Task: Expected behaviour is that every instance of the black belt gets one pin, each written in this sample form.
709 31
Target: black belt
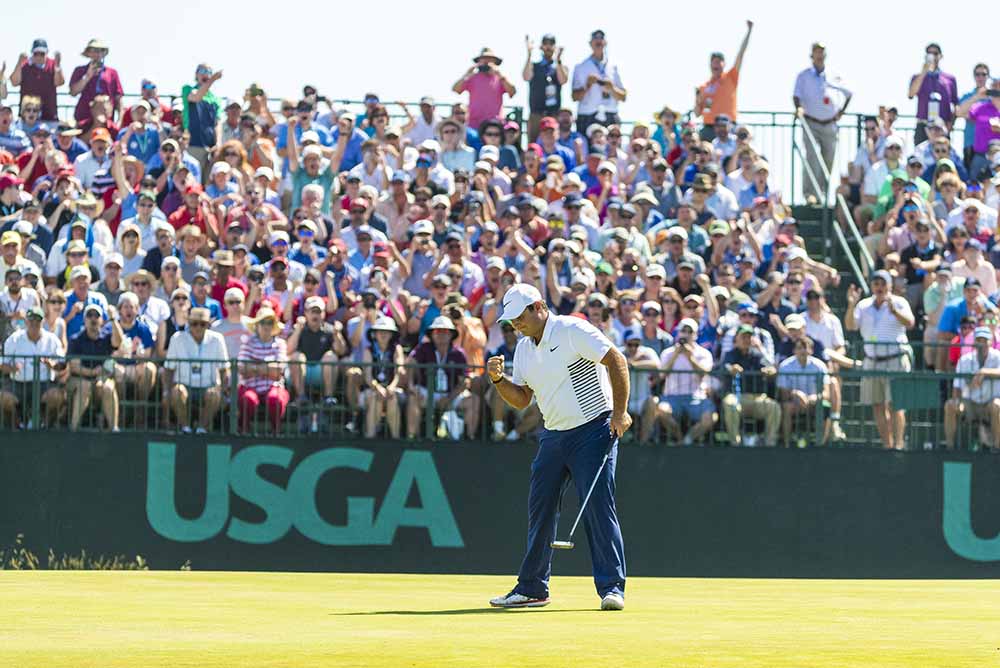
816 120
884 358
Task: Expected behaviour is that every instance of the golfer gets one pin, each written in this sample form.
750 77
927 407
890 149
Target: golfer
580 381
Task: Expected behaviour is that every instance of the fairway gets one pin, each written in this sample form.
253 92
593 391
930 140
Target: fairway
216 620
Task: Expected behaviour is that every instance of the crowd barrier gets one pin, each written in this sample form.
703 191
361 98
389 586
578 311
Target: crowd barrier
331 412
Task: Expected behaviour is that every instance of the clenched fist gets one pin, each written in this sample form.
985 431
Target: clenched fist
494 367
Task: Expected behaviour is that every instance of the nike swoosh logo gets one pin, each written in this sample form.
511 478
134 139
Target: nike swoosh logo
553 349
505 305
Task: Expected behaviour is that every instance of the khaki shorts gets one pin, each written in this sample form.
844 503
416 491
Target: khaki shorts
876 390
977 412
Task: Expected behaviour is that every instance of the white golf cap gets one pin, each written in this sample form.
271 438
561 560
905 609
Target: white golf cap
796 253
264 172
423 227
114 258
430 145
221 168
310 136
495 262
794 321
689 323
518 298
232 294
489 153
607 166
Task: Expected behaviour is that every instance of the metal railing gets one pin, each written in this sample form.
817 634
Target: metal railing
133 402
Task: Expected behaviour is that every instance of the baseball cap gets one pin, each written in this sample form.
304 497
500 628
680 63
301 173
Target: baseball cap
974 244
689 323
632 335
518 298
548 123
893 140
114 258
264 173
980 333
656 270
315 302
489 153
34 312
79 272
200 314
973 282
96 308
10 237
423 227
744 329
232 294
400 176
100 134
607 166
651 306
794 321
882 275
495 263
944 268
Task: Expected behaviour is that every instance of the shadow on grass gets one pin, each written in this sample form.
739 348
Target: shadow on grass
466 611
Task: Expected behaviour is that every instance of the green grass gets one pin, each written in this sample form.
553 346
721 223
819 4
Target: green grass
224 620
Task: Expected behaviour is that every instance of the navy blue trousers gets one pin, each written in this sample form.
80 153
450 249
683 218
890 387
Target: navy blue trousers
574 453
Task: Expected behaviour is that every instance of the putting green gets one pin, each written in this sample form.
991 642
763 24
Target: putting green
221 620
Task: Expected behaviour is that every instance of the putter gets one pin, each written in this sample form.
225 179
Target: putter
568 543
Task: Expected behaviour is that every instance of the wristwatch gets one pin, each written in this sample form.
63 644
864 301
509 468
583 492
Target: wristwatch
498 381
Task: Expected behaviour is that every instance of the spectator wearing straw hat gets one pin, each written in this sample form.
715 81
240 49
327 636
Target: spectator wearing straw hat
93 79
196 372
263 360
438 356
486 86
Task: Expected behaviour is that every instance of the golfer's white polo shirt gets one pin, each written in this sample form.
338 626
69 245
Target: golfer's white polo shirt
565 372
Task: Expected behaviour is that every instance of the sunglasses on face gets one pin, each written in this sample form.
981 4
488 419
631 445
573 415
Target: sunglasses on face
93 315
140 284
180 298
233 302
167 149
77 254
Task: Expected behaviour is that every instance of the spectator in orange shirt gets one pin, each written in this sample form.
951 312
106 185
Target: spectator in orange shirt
718 94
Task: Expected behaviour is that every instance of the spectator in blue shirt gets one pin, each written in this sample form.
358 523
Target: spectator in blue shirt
200 297
12 140
305 125
68 141
141 139
757 188
352 152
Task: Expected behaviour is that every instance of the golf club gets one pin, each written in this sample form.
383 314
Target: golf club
568 543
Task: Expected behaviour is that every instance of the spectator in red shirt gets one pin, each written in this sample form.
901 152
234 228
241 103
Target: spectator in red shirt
93 79
40 76
197 211
32 163
224 280
486 86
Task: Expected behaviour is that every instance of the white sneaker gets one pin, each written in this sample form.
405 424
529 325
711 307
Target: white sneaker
185 430
201 430
512 435
515 600
613 601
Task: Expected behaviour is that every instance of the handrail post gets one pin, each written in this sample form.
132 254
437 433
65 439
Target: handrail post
36 398
234 380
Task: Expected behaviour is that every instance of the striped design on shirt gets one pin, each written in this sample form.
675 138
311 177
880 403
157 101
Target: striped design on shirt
587 388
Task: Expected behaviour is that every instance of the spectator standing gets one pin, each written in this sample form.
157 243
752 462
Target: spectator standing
718 95
981 76
882 320
196 372
545 81
40 76
936 93
93 79
817 99
597 87
486 86
201 113
982 110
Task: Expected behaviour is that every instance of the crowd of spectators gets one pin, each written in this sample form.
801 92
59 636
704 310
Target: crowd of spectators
335 259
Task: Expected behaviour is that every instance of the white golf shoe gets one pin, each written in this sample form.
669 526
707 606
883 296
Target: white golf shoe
613 601
515 600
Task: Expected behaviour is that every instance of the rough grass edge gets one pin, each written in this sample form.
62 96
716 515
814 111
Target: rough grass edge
18 557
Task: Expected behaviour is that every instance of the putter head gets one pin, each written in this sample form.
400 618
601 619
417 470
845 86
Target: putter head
562 544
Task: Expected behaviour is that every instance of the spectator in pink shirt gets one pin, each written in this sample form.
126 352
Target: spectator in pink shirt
486 86
93 79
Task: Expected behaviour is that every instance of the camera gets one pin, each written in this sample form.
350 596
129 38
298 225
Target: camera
455 313
368 301
256 90
483 68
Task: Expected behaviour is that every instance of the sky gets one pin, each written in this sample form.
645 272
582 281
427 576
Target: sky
405 50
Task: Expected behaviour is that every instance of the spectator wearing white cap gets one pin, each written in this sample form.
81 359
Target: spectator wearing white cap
313 351
685 391
135 375
235 327
30 251
141 138
429 172
883 320
111 285
878 173
642 362
976 391
314 167
422 126
605 189
196 372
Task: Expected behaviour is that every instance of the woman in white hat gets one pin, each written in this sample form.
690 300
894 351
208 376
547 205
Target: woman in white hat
263 360
383 361
449 366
